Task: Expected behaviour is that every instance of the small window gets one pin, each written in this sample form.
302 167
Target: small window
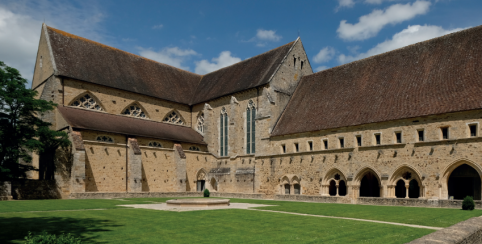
297 189
325 144
194 148
378 139
294 62
105 139
310 145
301 64
473 130
283 148
398 137
342 142
445 133
421 135
297 147
155 144
358 141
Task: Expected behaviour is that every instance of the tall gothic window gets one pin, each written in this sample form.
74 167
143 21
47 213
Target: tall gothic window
251 127
173 118
200 122
86 101
134 110
223 132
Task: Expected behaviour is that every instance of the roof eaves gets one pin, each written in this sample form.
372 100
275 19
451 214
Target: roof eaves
47 37
284 58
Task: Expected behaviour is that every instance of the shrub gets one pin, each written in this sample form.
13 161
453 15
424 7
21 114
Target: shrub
468 203
206 193
46 238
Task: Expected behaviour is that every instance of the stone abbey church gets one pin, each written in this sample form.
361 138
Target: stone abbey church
402 124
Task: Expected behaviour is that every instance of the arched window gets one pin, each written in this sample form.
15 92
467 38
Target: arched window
105 139
297 189
287 189
134 110
200 122
194 148
173 118
223 132
86 101
251 128
155 144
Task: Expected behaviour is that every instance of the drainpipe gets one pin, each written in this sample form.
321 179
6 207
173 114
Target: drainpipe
127 163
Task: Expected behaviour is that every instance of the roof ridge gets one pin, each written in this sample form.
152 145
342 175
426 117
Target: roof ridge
64 33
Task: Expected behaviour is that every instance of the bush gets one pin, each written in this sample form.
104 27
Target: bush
206 193
46 238
468 203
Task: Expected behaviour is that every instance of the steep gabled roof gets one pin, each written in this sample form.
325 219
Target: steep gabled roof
86 60
104 122
250 73
79 58
442 75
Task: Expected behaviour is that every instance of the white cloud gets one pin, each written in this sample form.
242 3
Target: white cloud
346 3
173 56
224 59
325 55
410 35
369 25
21 22
157 27
264 36
321 68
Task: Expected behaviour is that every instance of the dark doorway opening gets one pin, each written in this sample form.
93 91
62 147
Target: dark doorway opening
413 189
464 181
369 186
47 165
400 190
201 185
342 188
287 189
332 190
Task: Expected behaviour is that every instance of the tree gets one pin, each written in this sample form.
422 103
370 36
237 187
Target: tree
22 131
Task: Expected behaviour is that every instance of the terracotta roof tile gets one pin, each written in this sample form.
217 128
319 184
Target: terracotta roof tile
432 77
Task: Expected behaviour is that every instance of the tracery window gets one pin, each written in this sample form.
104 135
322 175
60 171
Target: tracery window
173 118
200 122
251 128
223 132
86 101
155 144
134 110
105 139
194 148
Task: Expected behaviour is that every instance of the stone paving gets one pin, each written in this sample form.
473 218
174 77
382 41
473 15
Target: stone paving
164 206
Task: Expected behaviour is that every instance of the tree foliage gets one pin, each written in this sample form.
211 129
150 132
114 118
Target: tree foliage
21 129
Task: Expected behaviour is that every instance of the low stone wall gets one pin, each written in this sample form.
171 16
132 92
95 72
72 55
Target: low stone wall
466 232
35 189
105 195
238 195
5 190
307 198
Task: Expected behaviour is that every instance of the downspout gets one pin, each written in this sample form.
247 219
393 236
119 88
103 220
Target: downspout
127 162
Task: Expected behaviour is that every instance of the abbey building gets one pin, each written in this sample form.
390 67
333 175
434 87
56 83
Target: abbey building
403 124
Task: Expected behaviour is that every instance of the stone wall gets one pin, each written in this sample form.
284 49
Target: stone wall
466 232
5 190
35 189
107 195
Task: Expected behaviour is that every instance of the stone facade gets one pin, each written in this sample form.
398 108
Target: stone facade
386 159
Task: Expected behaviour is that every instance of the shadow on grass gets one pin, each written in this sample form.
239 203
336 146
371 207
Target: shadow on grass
14 229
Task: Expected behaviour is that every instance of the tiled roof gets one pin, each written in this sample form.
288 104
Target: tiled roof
99 121
79 58
442 75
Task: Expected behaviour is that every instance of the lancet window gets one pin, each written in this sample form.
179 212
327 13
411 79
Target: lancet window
200 123
134 110
173 118
86 101
105 139
251 128
223 132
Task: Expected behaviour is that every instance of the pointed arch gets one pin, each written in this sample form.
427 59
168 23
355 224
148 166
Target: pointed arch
201 178
406 174
200 122
334 183
223 133
369 181
400 173
331 175
251 127
135 110
449 169
201 174
86 100
364 170
174 117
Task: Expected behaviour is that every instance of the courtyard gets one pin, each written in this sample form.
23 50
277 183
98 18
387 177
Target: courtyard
105 221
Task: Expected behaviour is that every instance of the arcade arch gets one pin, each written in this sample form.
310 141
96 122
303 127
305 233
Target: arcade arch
405 182
368 183
290 184
334 183
460 179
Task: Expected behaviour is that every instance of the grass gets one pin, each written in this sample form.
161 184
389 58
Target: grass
125 225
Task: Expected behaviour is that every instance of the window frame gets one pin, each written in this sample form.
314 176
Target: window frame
358 143
377 141
418 135
442 136
396 134
476 125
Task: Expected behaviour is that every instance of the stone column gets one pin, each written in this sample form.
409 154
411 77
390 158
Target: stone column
406 190
337 187
180 160
134 166
78 164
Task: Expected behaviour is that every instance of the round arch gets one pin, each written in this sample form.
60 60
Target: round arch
368 183
407 174
447 172
331 183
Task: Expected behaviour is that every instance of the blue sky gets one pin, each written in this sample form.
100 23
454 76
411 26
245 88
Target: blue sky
202 36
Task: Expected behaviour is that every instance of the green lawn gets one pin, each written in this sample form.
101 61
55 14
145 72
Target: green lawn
126 225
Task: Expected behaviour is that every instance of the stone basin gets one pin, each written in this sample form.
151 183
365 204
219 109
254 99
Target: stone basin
198 202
